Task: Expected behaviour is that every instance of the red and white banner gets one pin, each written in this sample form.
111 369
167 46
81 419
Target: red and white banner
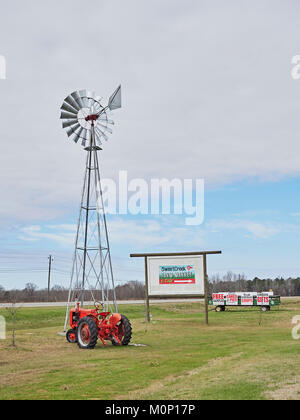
247 300
231 299
218 298
262 299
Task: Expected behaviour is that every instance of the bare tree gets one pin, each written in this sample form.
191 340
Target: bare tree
30 289
12 310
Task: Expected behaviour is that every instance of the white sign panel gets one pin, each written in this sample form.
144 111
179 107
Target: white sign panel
232 299
262 299
218 298
247 299
182 275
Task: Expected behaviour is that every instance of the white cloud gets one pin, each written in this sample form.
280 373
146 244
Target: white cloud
63 226
123 232
258 229
62 237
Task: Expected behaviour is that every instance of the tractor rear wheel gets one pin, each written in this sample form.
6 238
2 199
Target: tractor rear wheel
86 333
71 336
124 332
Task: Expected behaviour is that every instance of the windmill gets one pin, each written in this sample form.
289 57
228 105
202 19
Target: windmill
85 119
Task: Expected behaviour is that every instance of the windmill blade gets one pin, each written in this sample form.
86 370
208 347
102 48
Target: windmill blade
98 139
90 94
98 99
90 98
106 120
75 138
69 108
82 94
67 115
97 107
69 100
114 101
69 123
101 134
77 135
105 128
84 134
77 98
71 130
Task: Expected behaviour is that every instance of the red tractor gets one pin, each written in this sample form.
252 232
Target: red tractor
87 325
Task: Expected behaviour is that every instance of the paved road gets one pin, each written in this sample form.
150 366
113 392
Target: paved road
119 302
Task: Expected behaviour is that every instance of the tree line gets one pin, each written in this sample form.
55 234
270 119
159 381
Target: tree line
230 282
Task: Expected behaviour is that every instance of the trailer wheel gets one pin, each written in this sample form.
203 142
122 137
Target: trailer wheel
265 308
71 336
124 332
86 333
220 308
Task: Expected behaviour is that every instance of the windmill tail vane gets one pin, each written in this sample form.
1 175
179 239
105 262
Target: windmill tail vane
85 118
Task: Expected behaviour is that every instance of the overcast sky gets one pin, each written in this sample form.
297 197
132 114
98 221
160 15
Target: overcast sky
207 93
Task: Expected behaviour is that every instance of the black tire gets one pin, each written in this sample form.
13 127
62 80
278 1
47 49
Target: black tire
68 336
265 308
89 340
220 308
125 325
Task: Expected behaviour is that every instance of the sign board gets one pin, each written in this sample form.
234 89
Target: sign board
247 299
218 298
176 275
262 299
232 299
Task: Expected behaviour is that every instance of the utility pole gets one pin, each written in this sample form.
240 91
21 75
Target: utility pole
49 275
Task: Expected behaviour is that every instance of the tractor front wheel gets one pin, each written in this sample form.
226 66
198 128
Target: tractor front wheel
124 332
71 336
86 333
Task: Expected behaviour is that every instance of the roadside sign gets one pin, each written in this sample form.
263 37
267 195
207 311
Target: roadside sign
232 299
247 299
218 299
262 299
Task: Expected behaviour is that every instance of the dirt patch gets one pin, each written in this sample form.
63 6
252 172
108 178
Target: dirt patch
285 392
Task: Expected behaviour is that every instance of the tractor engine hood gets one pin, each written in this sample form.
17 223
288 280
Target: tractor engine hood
114 319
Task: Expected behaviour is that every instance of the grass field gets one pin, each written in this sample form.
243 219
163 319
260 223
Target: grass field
232 358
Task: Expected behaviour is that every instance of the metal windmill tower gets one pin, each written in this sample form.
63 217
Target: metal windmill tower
85 118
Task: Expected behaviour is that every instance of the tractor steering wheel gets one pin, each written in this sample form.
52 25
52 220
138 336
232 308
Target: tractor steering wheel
98 305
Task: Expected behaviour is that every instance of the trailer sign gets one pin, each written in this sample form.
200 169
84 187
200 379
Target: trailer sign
218 298
232 299
247 299
262 299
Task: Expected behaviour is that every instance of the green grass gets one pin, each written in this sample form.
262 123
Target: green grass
232 358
